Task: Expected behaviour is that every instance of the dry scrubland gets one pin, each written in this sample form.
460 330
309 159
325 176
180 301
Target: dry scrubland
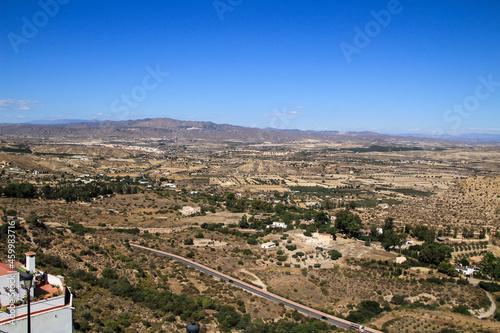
474 203
441 188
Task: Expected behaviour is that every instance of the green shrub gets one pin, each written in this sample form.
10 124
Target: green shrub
334 254
252 241
462 309
365 311
398 300
490 286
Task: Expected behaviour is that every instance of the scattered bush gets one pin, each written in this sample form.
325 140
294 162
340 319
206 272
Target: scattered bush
462 309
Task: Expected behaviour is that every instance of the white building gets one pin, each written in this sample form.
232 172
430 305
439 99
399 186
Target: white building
277 225
188 210
269 245
51 301
466 270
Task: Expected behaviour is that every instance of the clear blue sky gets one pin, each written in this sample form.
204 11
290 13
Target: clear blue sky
422 66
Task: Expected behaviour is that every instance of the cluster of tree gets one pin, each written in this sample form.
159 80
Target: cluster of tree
282 212
79 229
365 311
389 238
348 222
424 233
68 192
19 190
490 286
132 231
332 192
84 192
262 206
467 233
213 226
462 309
429 253
447 268
234 204
434 253
222 228
490 266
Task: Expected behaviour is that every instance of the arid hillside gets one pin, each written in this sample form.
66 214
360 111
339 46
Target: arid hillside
474 202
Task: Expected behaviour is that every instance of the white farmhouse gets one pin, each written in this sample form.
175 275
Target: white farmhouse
468 271
277 225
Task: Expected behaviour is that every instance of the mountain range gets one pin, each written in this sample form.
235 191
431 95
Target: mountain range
167 129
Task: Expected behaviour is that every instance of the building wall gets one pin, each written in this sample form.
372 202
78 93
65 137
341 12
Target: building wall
54 280
46 304
55 321
5 281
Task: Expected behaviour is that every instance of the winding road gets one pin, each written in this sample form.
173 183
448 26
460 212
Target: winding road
257 291
492 309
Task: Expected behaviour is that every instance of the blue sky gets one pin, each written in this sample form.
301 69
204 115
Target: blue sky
387 66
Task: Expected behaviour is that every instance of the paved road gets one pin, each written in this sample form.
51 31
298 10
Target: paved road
255 290
492 309
493 306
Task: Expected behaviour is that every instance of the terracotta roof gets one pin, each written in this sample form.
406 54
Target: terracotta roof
5 270
31 253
